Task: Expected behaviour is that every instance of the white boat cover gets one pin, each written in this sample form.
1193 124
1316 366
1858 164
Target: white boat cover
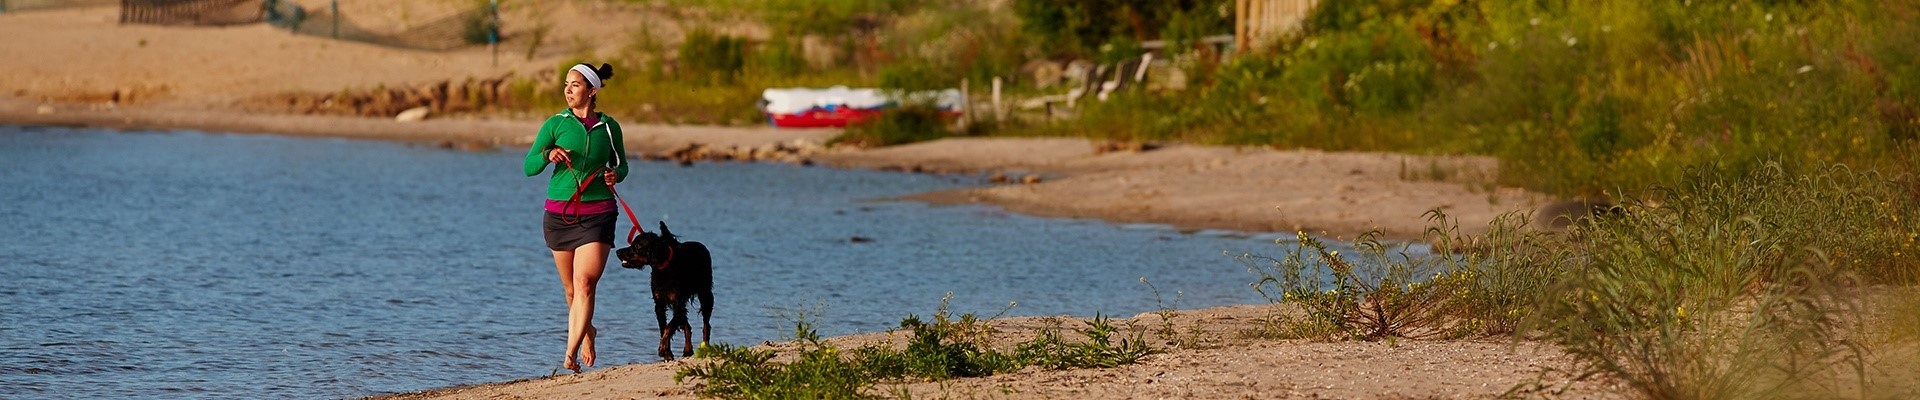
799 100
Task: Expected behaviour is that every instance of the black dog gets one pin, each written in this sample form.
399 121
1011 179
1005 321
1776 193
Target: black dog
681 271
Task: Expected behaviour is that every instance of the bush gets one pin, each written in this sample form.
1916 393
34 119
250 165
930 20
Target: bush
1375 297
710 58
1740 288
899 125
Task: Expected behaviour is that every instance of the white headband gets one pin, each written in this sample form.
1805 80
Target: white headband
587 72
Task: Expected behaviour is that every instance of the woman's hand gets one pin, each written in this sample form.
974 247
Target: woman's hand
556 154
611 177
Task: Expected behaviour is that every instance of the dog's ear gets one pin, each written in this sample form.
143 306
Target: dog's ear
664 232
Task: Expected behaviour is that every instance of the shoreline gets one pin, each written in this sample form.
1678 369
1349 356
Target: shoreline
1205 353
166 78
1188 187
1256 190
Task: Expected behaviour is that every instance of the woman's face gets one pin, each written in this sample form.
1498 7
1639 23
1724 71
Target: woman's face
577 90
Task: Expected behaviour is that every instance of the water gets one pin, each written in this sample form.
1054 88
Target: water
194 265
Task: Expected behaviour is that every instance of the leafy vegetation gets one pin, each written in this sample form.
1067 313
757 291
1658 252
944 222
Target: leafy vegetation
905 124
1587 97
1735 269
943 348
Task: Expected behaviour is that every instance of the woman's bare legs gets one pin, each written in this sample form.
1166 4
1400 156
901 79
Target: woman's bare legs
580 276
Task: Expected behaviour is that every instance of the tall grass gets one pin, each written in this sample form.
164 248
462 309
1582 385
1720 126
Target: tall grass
1737 286
1735 289
1369 294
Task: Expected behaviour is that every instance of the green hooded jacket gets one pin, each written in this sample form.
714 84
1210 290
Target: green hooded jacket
590 149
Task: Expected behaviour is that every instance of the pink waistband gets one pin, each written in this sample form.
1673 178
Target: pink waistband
581 208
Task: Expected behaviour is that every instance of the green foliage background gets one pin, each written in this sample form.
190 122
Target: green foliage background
1575 97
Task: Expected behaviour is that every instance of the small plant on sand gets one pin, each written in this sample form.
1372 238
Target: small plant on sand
1167 331
818 372
943 348
1493 278
1050 350
1372 295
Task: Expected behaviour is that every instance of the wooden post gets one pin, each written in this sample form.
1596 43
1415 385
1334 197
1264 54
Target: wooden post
998 113
966 106
1240 25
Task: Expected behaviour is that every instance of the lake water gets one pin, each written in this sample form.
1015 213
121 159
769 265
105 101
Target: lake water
196 265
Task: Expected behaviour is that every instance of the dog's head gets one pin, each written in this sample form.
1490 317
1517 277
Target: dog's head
647 248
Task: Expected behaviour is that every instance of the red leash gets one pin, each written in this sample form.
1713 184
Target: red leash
587 181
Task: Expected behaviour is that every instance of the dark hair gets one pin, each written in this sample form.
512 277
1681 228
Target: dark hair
605 72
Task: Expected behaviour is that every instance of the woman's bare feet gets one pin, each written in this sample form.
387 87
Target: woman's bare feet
570 365
586 346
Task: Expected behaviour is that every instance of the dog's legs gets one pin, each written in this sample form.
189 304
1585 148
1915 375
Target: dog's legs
706 316
686 329
666 331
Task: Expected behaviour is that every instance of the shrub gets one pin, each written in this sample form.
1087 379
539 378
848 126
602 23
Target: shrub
1741 286
711 58
1375 297
899 125
1678 310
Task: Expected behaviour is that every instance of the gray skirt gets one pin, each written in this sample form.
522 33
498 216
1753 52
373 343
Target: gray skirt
568 232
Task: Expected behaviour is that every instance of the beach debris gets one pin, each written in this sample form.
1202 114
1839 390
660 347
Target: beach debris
798 152
1125 146
464 145
415 114
1005 178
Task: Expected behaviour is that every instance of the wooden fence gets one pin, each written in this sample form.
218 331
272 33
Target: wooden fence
1258 22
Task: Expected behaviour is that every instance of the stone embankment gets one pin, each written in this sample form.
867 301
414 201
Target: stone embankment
798 151
435 98
802 152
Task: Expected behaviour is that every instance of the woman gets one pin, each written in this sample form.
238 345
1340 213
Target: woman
586 147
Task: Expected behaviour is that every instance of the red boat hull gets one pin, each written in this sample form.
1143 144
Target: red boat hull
821 118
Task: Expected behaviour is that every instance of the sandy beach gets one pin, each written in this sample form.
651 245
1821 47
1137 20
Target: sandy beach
78 67
1209 356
